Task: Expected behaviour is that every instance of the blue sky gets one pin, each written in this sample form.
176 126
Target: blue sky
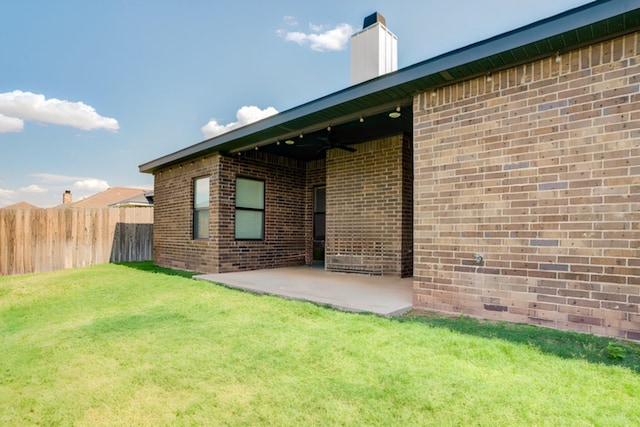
91 89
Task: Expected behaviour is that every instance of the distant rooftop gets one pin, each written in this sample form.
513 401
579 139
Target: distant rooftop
107 198
21 205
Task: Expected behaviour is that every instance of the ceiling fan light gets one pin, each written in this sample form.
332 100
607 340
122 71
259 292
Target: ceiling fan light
289 142
395 114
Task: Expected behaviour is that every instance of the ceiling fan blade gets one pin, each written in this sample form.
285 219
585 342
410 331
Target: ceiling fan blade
328 142
344 147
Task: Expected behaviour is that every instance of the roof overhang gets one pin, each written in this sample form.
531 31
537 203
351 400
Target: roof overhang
374 99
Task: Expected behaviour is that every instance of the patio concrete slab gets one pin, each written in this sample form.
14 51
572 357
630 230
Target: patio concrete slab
387 296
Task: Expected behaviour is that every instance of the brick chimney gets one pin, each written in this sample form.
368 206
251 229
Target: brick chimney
67 197
374 50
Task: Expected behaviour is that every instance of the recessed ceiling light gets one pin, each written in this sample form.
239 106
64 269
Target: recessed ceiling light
395 114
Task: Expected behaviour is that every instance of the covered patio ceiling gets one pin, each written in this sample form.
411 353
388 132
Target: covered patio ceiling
314 144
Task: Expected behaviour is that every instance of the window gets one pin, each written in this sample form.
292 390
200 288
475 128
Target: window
201 208
249 209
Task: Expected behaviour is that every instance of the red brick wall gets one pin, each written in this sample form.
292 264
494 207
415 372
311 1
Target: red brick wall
173 245
365 222
538 170
368 201
284 242
285 210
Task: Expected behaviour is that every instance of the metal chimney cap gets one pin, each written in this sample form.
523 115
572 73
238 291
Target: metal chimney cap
372 19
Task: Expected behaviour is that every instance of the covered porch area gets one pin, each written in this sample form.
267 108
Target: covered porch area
382 295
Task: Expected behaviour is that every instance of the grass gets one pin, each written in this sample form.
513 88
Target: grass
567 345
138 345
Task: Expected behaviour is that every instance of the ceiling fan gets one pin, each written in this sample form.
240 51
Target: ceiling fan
332 141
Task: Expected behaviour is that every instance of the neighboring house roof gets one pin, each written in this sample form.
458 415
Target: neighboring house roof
21 205
107 198
373 99
139 200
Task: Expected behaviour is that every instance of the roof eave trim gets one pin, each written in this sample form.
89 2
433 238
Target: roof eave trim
564 22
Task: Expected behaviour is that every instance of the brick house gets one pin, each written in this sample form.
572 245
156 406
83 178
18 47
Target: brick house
503 176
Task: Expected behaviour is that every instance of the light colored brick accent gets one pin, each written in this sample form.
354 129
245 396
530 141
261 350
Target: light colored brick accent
538 170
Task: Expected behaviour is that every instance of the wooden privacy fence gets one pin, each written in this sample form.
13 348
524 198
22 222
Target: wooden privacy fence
39 240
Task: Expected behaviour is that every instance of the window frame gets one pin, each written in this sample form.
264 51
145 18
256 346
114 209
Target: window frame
198 210
261 210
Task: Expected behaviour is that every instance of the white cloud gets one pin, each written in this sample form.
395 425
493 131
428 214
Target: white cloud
92 184
290 21
319 40
6 197
84 184
50 188
50 177
33 188
10 124
245 115
19 106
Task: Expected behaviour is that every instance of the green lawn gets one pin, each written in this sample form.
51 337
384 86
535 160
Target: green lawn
134 345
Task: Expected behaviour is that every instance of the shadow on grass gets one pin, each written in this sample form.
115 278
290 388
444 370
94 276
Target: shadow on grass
564 344
150 267
567 345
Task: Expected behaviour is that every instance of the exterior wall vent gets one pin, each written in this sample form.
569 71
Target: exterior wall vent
374 50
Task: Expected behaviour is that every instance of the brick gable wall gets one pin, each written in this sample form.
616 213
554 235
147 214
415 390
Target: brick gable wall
537 169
